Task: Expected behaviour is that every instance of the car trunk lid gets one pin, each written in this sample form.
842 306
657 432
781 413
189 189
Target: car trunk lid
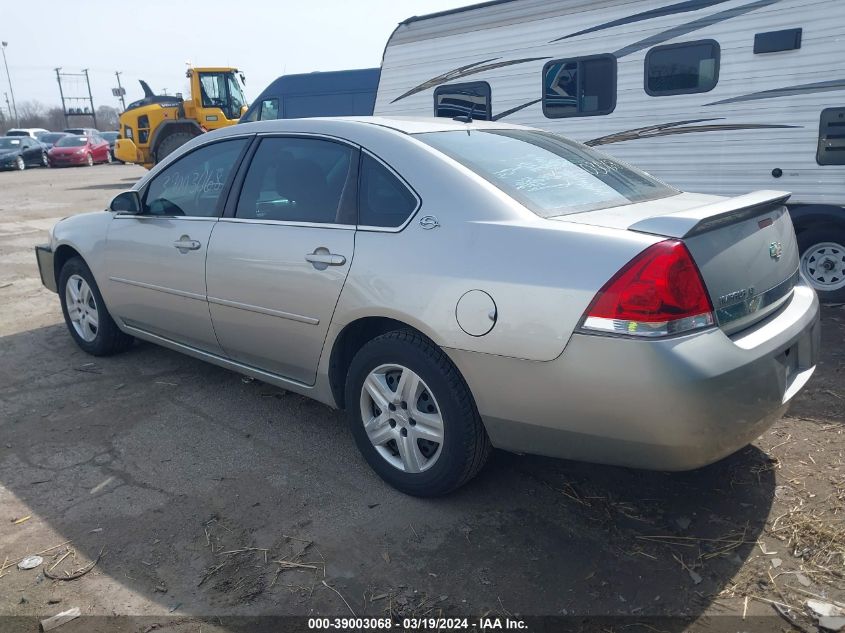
745 246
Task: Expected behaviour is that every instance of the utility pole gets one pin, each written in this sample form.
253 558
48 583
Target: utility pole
8 107
9 77
90 96
120 89
62 94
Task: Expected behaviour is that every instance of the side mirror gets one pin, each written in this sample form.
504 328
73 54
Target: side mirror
127 202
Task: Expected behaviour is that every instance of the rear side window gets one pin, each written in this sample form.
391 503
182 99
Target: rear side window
581 86
547 174
678 69
383 199
298 180
192 185
469 99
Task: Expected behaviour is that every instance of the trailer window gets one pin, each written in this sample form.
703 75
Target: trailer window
468 99
581 86
678 69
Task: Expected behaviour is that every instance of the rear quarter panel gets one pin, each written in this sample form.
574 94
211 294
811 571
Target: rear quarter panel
542 274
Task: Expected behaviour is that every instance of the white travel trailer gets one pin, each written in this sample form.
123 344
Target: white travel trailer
714 96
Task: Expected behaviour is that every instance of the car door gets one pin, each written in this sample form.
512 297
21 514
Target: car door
156 259
276 266
31 150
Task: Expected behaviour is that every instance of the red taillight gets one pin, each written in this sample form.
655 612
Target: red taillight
659 292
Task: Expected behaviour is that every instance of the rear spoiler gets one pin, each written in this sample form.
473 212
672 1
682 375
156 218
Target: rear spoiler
712 216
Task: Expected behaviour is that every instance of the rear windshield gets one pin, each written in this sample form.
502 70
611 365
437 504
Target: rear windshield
548 174
72 141
52 137
9 143
109 136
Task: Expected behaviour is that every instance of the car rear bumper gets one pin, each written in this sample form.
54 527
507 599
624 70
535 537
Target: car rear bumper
673 404
44 255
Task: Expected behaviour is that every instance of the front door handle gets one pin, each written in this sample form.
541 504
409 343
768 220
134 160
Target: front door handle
321 259
185 244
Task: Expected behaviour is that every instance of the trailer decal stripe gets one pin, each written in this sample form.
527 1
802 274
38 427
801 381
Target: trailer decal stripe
672 9
502 115
464 71
680 127
822 86
689 27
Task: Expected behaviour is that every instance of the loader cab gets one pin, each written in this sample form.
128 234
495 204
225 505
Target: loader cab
217 97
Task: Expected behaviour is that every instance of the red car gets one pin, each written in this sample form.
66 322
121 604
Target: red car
79 150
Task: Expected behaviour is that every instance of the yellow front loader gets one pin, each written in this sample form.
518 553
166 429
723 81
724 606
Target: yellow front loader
152 127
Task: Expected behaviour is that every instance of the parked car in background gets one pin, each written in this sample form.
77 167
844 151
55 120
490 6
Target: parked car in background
111 137
31 132
82 131
20 152
49 139
455 286
79 150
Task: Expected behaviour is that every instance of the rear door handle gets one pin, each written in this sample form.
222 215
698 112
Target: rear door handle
322 259
185 244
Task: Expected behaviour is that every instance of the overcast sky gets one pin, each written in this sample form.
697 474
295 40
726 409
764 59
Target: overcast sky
153 39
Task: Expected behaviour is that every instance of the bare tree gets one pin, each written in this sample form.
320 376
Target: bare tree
107 117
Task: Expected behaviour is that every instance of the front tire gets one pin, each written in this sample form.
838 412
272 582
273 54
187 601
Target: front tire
20 163
89 160
86 316
413 417
823 262
45 162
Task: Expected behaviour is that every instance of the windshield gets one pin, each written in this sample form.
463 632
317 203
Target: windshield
222 90
546 173
10 143
72 141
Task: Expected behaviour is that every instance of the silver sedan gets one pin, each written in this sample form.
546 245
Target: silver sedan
455 286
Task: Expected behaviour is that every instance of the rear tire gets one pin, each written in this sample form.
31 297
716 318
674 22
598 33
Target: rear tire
440 392
823 262
171 143
86 316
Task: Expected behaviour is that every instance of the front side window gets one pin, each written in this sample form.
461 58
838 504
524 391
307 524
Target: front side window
383 199
297 180
547 174
469 99
685 68
192 186
269 110
221 90
583 86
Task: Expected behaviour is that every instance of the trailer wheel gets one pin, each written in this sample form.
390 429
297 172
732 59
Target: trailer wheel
823 262
171 143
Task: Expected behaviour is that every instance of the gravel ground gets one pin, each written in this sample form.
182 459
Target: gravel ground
190 484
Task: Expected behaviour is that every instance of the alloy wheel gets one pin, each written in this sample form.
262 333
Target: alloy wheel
90 160
401 418
82 308
20 164
824 265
